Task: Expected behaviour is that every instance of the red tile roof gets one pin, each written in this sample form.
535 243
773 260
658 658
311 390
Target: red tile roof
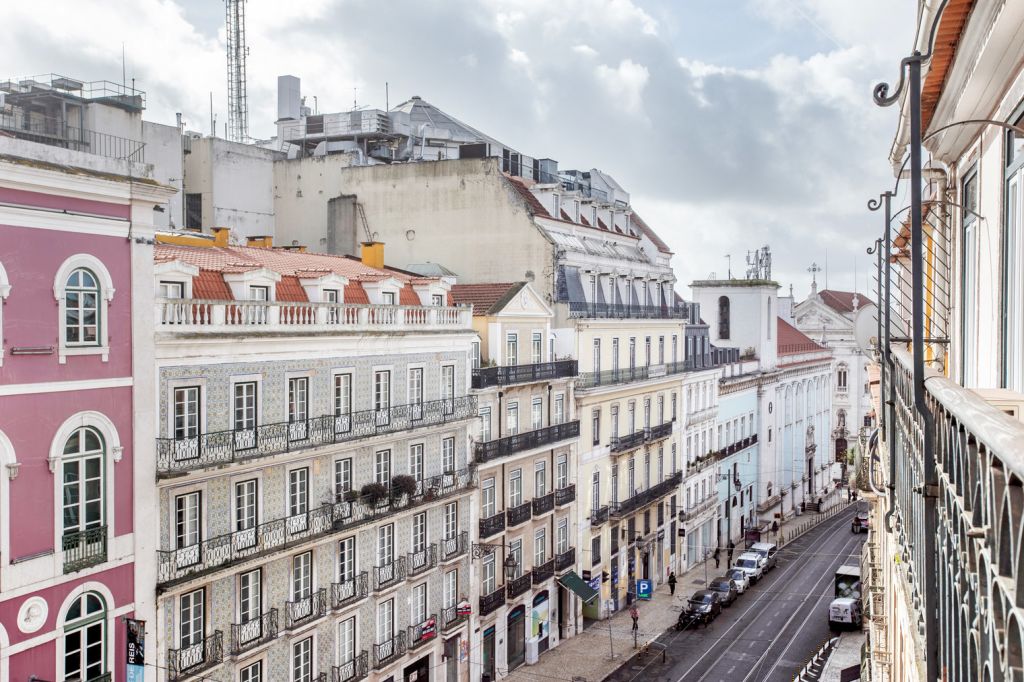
649 233
484 297
533 204
841 301
289 289
792 341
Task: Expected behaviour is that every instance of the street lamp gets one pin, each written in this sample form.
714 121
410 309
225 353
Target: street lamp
511 566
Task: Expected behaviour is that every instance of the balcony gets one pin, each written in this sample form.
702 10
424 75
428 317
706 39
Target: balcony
733 448
520 514
423 632
658 432
451 618
55 131
85 548
599 516
490 602
549 435
351 671
566 495
646 497
421 562
543 504
543 572
622 311
202 655
175 456
485 377
349 592
388 651
697 509
388 575
252 633
628 375
518 586
492 525
305 610
565 560
452 548
623 443
699 416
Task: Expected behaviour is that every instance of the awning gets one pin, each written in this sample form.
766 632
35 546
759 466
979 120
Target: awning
573 582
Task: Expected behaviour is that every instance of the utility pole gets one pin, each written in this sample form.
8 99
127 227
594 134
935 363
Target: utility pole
238 106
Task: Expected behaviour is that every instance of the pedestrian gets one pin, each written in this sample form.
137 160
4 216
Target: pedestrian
732 548
775 528
672 583
849 494
819 504
716 557
635 615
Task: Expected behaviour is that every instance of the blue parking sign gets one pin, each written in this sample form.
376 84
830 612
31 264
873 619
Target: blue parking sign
644 589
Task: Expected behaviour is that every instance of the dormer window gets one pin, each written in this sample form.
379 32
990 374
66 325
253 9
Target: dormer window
557 205
330 295
171 290
259 293
437 300
388 297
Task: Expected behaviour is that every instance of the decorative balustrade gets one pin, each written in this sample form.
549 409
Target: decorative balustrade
566 559
518 586
202 655
599 516
543 572
388 651
565 495
702 415
454 546
501 447
452 617
85 548
485 377
176 455
206 556
350 671
490 602
350 591
254 632
424 632
492 525
421 561
623 443
305 609
543 504
520 514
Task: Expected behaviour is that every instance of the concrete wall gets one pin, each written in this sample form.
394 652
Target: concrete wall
163 152
753 314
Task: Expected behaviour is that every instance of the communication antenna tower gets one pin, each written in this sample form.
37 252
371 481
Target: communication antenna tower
238 105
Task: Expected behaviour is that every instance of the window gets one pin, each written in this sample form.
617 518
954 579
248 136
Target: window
416 391
595 491
647 351
1013 263
330 296
387 297
675 413
245 504
661 350
595 425
451 520
82 309
385 621
512 349
675 464
192 611
171 290
723 317
485 424
382 467
632 353
615 355
675 348
968 276
515 550
298 491
186 412
630 477
647 470
540 479
187 519
416 461
536 413
448 455
342 477
347 640
512 418
244 417
562 472
515 488
251 673
597 356
82 484
386 544
595 550
259 293
418 611
614 421
451 589
437 300
559 416
489 578
540 546
647 413
298 407
841 379
302 575
347 560
193 211
488 502
382 392
419 533
538 348
342 403
613 485
249 596
302 660
631 416
475 353
448 388
85 638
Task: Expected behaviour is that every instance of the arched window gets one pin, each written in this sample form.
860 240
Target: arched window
841 373
723 317
85 635
81 309
83 530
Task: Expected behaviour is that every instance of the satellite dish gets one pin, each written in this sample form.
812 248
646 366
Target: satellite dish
865 329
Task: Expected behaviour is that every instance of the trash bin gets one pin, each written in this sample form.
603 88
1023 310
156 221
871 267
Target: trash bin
532 651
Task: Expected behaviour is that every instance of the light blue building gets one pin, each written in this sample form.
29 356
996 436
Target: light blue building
736 441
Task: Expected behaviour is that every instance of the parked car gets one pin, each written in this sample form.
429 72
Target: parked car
845 613
706 605
689 617
726 590
769 551
739 579
750 563
861 523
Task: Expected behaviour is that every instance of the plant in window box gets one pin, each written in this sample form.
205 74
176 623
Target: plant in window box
351 495
403 485
374 494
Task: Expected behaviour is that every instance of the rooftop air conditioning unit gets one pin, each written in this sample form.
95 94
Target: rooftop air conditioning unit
1010 402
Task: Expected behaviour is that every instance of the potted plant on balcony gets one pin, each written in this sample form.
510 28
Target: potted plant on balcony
374 494
403 486
351 495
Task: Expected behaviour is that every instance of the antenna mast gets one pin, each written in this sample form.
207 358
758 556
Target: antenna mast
238 106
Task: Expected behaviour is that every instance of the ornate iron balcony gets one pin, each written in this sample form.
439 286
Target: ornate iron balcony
252 633
565 495
451 618
485 377
389 575
456 546
356 669
202 655
349 592
566 559
658 432
520 514
306 609
646 497
623 443
543 504
620 311
85 548
388 651
492 525
518 586
598 516
549 435
543 572
490 602
422 561
176 455
423 632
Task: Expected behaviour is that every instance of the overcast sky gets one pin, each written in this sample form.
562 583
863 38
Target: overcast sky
732 123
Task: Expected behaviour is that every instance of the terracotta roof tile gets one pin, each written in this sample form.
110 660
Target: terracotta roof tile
210 286
792 341
289 289
841 301
484 297
532 202
649 233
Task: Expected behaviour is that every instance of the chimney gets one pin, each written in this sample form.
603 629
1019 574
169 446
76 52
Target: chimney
260 241
373 254
221 236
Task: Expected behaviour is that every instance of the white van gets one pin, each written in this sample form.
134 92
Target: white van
751 564
769 551
844 613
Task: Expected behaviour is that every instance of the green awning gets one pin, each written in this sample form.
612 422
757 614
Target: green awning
573 582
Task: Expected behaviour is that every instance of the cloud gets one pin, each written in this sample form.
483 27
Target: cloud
624 85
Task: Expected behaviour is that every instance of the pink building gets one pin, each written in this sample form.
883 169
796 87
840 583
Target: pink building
75 238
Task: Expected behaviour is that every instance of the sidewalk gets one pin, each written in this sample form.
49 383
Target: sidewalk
587 655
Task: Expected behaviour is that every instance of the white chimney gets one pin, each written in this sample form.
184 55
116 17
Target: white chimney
288 98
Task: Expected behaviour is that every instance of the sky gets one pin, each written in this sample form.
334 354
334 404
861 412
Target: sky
732 123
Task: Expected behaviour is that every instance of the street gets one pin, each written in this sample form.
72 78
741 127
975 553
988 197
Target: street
772 629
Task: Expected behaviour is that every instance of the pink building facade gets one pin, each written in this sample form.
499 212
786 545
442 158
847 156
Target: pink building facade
75 239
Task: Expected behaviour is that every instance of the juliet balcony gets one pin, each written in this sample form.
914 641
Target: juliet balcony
349 592
424 632
659 432
175 456
628 442
452 617
518 586
492 525
350 671
389 651
83 549
389 574
485 377
421 561
543 504
565 560
566 495
188 661
490 602
252 633
306 609
549 435
519 514
454 547
543 572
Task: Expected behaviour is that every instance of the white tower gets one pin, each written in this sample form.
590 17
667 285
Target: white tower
238 105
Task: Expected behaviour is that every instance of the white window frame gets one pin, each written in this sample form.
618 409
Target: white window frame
106 295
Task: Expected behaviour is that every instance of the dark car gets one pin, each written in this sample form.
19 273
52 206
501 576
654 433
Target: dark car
726 590
861 523
688 617
706 605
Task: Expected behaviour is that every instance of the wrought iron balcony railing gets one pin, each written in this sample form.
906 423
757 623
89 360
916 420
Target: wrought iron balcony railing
349 592
698 508
351 671
658 432
611 377
454 546
508 445
565 495
421 561
202 655
388 651
623 443
543 504
599 516
490 602
84 548
424 632
518 586
176 455
520 514
55 131
646 497
733 448
177 565
305 609
485 377
252 633
565 560
451 618
543 572
492 525
628 311
389 574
